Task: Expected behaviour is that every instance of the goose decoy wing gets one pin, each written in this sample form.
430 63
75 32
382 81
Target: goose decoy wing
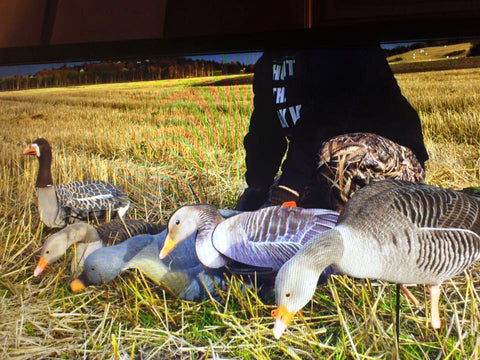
358 200
432 232
119 230
431 207
90 195
267 238
444 217
440 262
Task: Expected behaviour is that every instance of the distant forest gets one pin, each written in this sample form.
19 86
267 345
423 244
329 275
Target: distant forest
122 71
161 68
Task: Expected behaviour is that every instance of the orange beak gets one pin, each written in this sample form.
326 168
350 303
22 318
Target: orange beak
168 247
42 264
77 285
30 151
283 319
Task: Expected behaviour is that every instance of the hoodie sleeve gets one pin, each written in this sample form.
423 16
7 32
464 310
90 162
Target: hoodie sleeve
265 144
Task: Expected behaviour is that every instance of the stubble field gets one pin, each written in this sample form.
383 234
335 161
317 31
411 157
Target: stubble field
158 141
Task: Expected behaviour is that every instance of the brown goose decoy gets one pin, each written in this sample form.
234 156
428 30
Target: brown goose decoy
88 239
397 231
75 201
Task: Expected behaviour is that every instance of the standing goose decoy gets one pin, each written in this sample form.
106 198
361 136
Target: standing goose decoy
396 231
263 239
78 200
180 272
89 239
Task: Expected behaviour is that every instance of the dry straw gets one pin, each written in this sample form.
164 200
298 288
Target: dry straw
157 140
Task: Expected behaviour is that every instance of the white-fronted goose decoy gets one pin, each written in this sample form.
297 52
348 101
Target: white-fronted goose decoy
397 231
264 239
88 239
71 202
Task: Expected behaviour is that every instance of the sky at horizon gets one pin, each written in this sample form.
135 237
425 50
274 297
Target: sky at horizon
243 58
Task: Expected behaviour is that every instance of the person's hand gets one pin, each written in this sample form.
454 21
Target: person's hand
281 194
252 198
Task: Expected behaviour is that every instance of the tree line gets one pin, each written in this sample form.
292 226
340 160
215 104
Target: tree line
122 71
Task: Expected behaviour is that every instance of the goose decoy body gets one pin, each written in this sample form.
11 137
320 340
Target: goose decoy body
397 231
88 239
180 272
75 201
263 240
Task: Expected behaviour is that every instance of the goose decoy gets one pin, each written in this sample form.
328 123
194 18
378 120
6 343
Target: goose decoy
263 239
89 239
397 231
78 200
180 272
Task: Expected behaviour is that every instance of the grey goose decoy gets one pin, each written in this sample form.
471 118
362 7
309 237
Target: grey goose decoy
71 202
88 238
180 273
263 239
396 231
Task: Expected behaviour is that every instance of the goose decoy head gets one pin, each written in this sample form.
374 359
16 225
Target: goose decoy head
105 264
182 224
57 244
38 147
99 267
291 294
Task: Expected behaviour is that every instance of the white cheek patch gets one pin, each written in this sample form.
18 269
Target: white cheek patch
37 149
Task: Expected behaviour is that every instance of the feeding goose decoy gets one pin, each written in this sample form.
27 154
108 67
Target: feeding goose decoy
180 272
396 231
71 202
263 239
88 238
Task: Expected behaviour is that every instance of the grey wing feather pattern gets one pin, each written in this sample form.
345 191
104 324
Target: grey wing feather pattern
357 202
119 230
269 237
431 207
454 250
84 197
448 228
433 232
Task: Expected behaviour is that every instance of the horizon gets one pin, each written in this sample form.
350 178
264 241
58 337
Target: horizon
244 58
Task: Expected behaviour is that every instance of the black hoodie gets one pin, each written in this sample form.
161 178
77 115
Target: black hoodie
310 96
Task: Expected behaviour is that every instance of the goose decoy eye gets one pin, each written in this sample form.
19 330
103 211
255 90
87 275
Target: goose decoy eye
287 294
177 222
93 269
47 252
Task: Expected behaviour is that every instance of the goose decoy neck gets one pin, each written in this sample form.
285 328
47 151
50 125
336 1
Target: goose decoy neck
322 251
209 218
44 155
90 234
